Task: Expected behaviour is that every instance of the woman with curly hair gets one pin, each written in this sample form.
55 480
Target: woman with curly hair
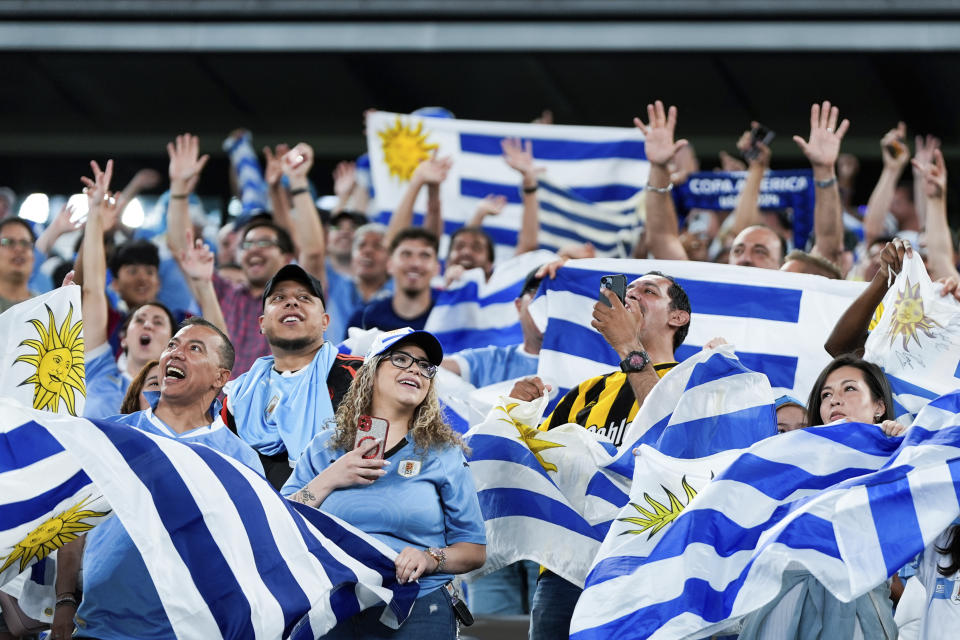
419 498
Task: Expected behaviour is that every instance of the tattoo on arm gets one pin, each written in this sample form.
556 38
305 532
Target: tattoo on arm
304 497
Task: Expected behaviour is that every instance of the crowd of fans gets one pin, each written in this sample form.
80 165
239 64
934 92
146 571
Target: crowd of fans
234 345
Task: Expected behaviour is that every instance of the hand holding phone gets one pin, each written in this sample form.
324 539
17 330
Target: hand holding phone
758 134
369 429
616 283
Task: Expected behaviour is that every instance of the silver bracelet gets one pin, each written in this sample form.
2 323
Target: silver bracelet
666 189
824 184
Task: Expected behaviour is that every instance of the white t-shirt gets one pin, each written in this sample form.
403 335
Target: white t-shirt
942 613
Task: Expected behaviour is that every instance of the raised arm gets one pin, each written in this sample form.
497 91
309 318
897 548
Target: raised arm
60 225
922 154
197 264
895 157
746 213
662 230
431 172
305 221
186 163
822 150
344 185
941 262
94 259
272 174
490 206
519 157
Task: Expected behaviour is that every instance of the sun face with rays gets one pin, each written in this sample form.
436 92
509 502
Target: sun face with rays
404 148
662 514
51 535
908 316
529 437
58 361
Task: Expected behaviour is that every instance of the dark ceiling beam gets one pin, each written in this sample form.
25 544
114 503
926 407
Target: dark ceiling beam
795 36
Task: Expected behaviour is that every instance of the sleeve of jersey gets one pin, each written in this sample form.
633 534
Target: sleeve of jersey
566 410
315 458
462 518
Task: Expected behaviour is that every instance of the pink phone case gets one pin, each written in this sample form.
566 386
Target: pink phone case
371 428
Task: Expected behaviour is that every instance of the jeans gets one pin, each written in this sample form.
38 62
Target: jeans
506 592
553 605
431 617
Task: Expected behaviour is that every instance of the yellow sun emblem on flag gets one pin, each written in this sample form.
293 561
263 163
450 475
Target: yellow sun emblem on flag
51 535
662 514
58 361
908 316
404 148
528 435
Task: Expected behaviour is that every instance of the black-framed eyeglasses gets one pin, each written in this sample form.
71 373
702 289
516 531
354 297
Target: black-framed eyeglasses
259 244
16 242
403 360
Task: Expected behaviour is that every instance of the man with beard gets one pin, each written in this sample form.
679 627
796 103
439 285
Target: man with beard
413 264
284 400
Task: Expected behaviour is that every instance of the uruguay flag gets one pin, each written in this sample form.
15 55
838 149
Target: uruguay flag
845 502
594 176
228 556
779 321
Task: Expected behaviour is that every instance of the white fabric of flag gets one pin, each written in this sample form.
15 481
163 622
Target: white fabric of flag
844 501
779 321
594 176
41 362
205 525
551 496
917 340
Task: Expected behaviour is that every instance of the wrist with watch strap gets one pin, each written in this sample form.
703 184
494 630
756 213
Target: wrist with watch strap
634 362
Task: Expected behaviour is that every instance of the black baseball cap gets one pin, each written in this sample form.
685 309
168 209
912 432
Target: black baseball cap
356 217
296 273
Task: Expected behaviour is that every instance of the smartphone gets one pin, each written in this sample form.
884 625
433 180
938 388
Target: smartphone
898 146
759 133
616 283
372 428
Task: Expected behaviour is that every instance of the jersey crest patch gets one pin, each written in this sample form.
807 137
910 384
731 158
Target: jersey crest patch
408 468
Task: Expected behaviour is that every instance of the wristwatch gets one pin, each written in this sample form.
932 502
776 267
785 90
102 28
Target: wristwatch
635 361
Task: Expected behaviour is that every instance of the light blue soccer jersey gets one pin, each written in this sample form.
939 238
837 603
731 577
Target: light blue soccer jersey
421 502
489 365
106 385
120 601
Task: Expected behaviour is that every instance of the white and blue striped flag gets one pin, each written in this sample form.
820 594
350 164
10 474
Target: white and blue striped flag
550 496
779 321
916 340
229 557
845 502
594 176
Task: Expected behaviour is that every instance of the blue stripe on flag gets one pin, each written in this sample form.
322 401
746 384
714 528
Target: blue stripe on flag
547 149
599 193
184 522
563 232
506 502
458 339
713 368
780 370
949 402
469 293
502 449
602 487
593 223
865 438
499 235
705 436
894 516
779 480
271 566
25 445
576 340
15 514
899 385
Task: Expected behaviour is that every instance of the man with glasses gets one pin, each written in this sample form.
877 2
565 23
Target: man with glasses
16 262
285 399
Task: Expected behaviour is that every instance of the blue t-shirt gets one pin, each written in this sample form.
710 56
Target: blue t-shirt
343 300
489 365
379 314
105 383
120 601
422 501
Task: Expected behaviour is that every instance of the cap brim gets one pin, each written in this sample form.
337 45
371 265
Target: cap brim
426 341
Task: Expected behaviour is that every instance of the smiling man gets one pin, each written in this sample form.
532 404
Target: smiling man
284 400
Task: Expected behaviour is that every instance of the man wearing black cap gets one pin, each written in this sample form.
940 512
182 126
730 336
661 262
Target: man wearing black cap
283 401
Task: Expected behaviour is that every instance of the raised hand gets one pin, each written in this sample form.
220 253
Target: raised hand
491 206
658 133
934 175
433 170
344 180
273 168
923 151
823 147
297 163
894 149
186 163
745 144
519 156
197 262
98 188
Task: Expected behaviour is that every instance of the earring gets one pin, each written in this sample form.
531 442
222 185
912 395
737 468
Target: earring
878 416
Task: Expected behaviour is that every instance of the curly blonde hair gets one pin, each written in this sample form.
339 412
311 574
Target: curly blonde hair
428 428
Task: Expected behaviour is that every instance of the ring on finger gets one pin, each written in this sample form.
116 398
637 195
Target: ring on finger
829 129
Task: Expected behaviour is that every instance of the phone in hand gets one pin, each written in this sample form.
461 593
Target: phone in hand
898 146
616 283
759 133
372 428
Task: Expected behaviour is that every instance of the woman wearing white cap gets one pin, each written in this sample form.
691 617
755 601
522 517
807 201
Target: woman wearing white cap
418 498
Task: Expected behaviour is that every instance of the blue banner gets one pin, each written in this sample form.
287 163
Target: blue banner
790 190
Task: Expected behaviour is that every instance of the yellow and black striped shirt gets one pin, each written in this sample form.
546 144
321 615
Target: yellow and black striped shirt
605 404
